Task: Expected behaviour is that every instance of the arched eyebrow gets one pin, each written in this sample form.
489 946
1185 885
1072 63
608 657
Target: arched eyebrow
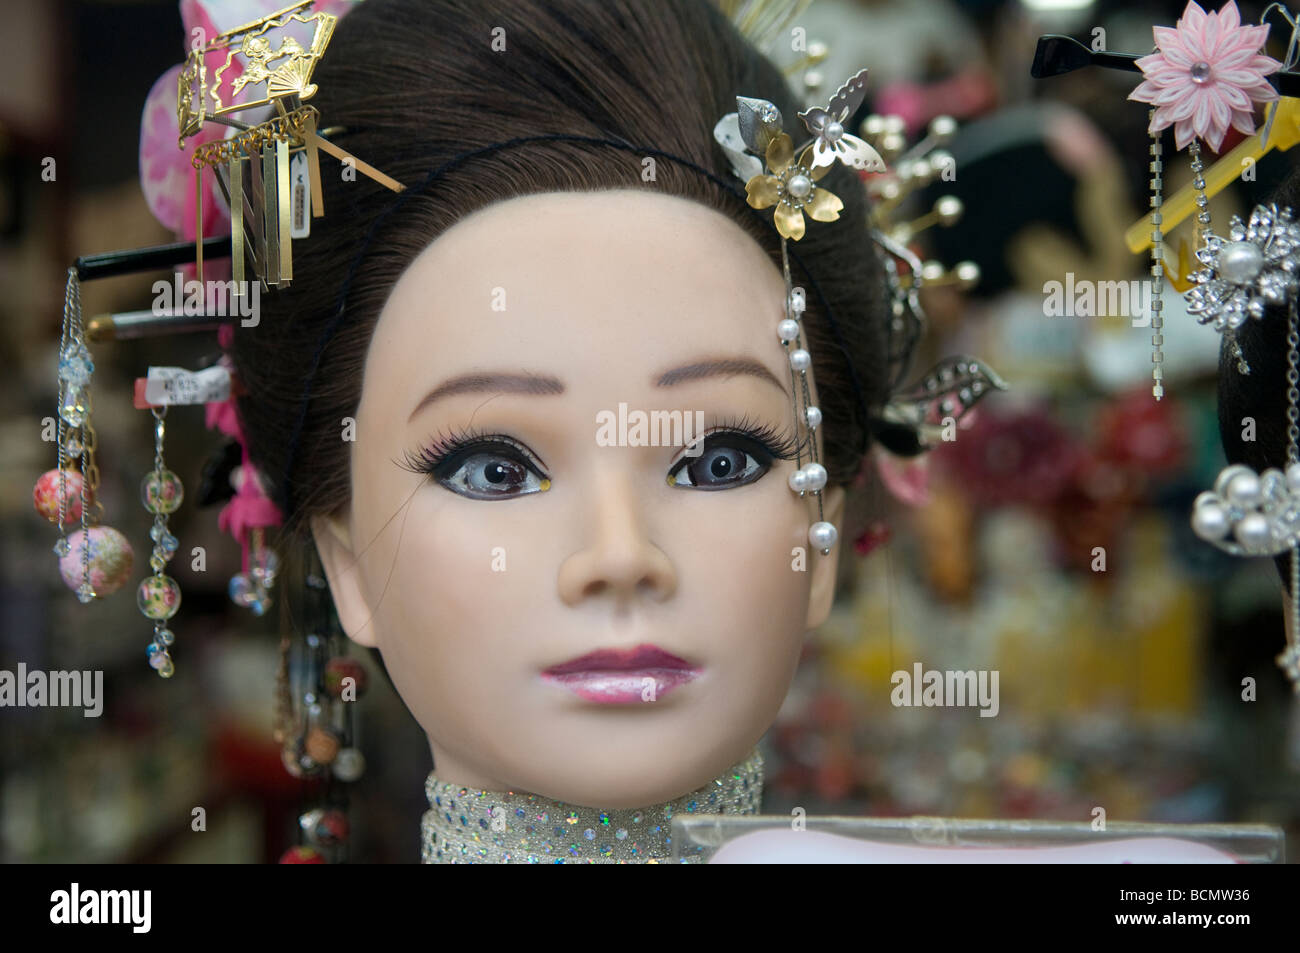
497 382
507 382
718 367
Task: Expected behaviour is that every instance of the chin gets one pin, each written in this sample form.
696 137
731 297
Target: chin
616 773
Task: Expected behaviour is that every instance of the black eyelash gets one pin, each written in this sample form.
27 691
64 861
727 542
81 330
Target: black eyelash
437 455
431 459
780 444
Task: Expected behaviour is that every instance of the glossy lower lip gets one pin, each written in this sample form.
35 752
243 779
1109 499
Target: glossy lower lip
623 687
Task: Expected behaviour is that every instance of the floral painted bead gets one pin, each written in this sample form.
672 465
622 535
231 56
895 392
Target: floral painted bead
45 496
111 559
161 492
158 597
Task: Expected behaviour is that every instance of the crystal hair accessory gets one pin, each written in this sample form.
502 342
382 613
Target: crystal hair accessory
1205 76
1252 267
1249 513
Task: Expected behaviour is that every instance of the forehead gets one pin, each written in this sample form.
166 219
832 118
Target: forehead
586 278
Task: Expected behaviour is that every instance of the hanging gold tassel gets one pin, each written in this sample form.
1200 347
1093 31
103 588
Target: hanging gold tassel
236 168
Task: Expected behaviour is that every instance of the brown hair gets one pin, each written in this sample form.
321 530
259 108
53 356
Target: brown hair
416 83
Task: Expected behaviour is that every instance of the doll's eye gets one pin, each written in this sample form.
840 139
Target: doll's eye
491 475
491 469
729 460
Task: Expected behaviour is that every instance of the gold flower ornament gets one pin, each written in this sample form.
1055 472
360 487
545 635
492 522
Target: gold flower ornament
787 183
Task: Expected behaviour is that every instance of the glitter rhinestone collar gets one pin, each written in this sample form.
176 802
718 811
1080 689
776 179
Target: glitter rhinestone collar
467 826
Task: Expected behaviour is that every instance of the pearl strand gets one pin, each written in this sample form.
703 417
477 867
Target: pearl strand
812 476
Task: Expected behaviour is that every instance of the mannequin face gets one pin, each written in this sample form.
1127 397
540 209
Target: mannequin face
477 604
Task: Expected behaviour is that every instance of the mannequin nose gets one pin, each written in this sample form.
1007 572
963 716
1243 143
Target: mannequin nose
617 557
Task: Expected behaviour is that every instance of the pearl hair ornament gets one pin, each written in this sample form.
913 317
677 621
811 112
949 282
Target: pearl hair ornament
777 175
1249 513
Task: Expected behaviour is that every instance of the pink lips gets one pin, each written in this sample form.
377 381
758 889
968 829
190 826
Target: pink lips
620 677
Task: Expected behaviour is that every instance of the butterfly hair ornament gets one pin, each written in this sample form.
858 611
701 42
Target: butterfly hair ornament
785 179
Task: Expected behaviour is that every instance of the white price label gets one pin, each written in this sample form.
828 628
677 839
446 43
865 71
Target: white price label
299 196
175 385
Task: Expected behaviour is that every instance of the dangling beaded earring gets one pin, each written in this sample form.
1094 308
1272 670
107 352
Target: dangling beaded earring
159 596
96 560
1212 63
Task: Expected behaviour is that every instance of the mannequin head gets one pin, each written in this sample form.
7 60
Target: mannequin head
579 284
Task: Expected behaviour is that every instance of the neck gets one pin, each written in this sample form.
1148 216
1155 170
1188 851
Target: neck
469 826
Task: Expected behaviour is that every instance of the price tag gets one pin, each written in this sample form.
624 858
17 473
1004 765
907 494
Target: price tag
300 197
175 385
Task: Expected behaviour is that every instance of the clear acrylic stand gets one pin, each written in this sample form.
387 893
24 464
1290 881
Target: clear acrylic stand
698 838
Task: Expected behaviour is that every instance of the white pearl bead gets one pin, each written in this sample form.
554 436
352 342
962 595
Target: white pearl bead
1243 489
800 186
816 475
814 418
798 481
1253 530
787 330
1225 477
1293 478
832 131
822 535
1240 262
1209 519
800 359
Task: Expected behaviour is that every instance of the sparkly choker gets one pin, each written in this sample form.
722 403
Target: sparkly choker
467 826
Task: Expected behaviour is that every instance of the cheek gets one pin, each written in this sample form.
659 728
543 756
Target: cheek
744 564
454 587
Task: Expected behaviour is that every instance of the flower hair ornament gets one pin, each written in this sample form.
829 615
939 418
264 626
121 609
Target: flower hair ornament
785 179
1206 75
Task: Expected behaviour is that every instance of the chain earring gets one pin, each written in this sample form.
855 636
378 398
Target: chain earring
95 560
159 595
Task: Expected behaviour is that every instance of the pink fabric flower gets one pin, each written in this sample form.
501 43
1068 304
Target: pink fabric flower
1207 76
